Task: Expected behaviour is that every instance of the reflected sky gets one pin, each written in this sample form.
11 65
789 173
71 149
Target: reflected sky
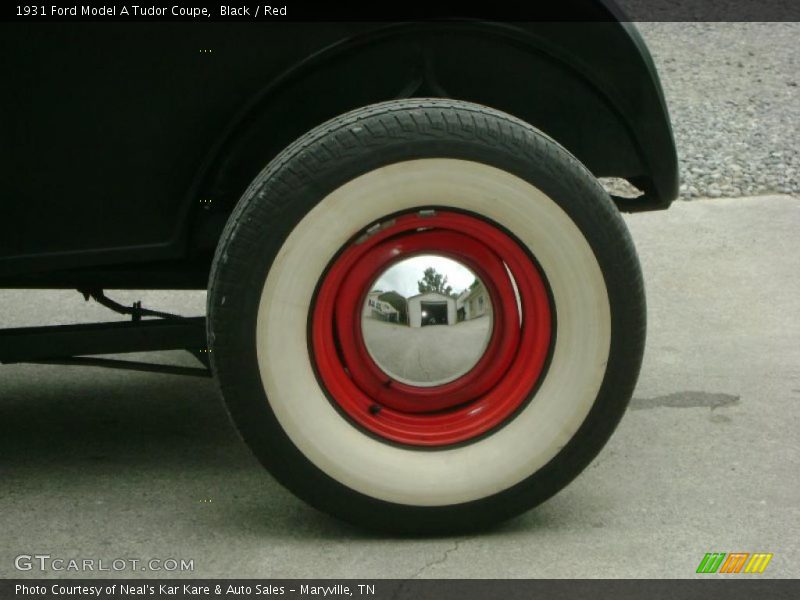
403 276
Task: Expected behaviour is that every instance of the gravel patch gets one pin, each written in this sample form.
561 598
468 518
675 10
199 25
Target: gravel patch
734 98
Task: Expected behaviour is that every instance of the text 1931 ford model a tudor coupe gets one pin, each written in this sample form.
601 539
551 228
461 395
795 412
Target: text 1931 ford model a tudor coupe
304 174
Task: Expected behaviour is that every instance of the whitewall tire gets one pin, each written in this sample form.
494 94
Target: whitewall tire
367 171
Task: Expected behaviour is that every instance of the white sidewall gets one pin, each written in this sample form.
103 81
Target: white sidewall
473 471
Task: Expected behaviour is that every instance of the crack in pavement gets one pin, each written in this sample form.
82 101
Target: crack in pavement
399 592
441 560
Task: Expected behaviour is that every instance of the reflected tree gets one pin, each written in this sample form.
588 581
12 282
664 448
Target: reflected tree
433 281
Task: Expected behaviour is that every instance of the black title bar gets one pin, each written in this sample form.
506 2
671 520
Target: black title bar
398 10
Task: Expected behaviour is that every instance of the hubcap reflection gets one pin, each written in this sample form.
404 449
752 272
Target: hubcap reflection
427 320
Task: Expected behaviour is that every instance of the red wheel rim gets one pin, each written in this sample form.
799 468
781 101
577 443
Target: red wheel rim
481 377
468 407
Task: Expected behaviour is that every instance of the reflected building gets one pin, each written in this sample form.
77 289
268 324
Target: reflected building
473 302
431 308
375 308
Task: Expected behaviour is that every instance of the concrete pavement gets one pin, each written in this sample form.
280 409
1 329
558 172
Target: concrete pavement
427 355
104 464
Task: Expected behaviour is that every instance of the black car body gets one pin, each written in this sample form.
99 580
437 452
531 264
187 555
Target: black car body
126 146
